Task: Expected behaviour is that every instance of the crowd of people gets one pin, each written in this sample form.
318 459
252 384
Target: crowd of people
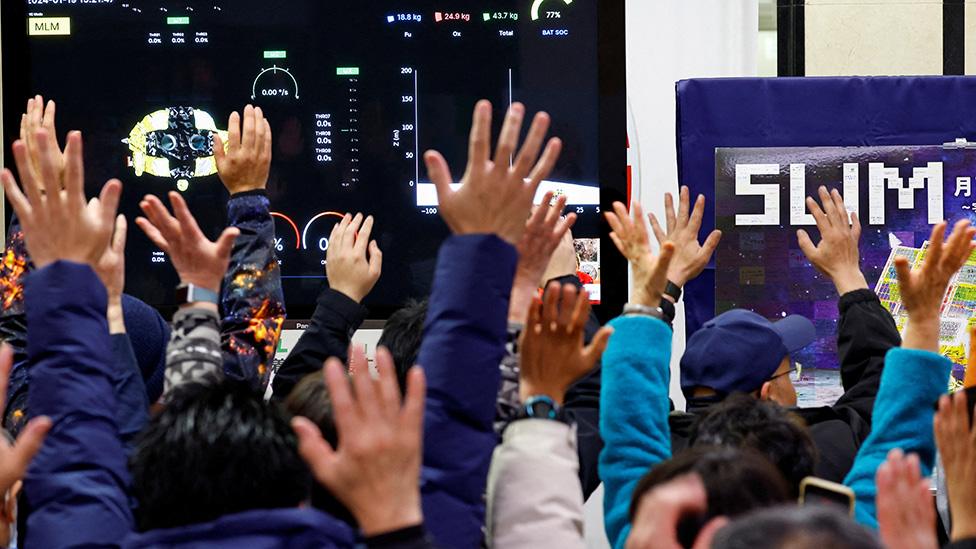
497 405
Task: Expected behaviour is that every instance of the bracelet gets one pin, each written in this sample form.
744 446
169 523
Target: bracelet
633 309
673 290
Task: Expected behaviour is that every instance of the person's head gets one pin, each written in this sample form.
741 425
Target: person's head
794 527
310 399
213 451
736 481
741 421
402 335
740 351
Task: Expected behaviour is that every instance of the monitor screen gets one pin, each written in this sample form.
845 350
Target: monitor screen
355 93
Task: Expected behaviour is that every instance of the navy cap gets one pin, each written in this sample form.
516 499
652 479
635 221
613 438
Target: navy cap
738 351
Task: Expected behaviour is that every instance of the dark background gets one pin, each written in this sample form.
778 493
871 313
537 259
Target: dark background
106 78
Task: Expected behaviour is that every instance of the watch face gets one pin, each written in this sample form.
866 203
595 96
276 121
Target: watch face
542 409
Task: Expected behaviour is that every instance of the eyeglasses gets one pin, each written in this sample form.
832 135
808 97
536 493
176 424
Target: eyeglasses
795 372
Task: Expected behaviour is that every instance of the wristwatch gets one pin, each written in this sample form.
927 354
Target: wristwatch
541 407
632 309
189 293
673 290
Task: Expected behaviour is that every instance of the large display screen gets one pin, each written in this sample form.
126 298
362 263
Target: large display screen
355 93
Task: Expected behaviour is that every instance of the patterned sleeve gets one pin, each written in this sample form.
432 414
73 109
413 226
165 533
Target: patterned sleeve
252 302
14 267
193 353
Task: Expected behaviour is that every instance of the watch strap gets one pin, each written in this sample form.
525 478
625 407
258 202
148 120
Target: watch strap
673 290
631 309
189 293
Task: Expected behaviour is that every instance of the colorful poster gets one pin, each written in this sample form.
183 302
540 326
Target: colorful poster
898 192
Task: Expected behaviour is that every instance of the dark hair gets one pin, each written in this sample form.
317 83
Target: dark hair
794 527
402 335
736 480
310 399
741 421
215 450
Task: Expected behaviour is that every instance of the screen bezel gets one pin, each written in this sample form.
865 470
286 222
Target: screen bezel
611 43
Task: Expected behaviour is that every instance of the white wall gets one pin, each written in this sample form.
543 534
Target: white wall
667 41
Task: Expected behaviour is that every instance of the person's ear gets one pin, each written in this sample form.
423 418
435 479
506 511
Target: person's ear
765 390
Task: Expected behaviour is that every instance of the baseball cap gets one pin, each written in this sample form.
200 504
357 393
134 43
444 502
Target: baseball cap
739 350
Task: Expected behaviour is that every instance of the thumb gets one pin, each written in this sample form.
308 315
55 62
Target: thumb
375 259
121 230
439 172
226 241
708 248
904 272
316 452
806 245
220 155
29 443
707 533
595 349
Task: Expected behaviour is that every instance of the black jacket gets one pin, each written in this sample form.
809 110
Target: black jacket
335 320
865 333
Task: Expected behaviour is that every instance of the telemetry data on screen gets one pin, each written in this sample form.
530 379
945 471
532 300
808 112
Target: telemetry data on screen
355 91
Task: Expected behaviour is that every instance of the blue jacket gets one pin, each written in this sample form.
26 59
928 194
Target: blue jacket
463 344
911 383
634 409
78 484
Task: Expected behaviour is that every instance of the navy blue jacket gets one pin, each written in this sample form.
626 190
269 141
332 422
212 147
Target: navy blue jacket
463 344
78 483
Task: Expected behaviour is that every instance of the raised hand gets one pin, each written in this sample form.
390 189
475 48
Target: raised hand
655 525
690 256
956 440
552 353
14 459
375 472
38 116
349 269
197 260
111 266
244 162
60 225
544 231
922 290
837 255
650 271
495 195
906 515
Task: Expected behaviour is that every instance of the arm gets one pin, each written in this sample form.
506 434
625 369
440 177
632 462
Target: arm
534 494
634 404
865 333
252 302
130 389
78 483
464 341
464 337
634 411
915 375
193 354
338 313
911 382
535 497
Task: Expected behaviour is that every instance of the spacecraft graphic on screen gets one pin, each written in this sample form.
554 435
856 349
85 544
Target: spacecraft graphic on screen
176 142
